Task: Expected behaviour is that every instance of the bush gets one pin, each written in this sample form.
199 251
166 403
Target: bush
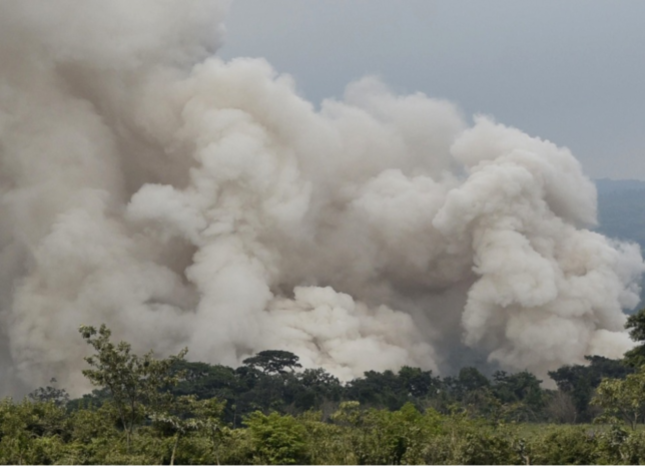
277 440
564 446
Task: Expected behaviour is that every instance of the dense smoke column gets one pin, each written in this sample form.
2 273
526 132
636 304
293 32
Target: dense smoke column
182 200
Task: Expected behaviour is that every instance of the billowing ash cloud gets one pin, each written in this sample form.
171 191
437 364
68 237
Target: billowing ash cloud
185 201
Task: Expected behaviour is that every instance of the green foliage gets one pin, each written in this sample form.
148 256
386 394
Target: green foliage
152 412
629 450
314 389
622 399
32 433
470 379
274 362
389 390
277 440
418 383
564 446
50 393
508 397
377 389
488 448
580 383
522 388
187 416
636 326
381 437
134 383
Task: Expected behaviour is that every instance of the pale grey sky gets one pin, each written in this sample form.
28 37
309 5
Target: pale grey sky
571 71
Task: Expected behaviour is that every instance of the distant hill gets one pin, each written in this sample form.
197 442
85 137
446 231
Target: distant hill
608 186
621 211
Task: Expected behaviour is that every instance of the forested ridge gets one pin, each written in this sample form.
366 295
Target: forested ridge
146 410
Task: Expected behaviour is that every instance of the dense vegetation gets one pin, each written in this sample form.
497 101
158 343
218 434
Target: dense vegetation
269 411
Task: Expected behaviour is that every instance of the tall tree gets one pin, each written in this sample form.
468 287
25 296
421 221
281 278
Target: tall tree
580 382
274 362
418 383
636 326
623 399
134 383
50 393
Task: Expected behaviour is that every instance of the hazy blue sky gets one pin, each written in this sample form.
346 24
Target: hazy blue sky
569 71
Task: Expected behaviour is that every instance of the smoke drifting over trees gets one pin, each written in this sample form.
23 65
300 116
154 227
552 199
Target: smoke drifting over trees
185 201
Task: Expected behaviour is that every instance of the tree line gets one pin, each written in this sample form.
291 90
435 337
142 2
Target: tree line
146 410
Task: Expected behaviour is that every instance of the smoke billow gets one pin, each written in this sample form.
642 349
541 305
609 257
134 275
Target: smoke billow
186 201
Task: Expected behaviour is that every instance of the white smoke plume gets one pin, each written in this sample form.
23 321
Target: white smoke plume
185 201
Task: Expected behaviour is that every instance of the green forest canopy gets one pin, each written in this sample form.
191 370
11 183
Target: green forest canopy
171 411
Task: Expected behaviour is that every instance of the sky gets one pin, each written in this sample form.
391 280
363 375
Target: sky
571 72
